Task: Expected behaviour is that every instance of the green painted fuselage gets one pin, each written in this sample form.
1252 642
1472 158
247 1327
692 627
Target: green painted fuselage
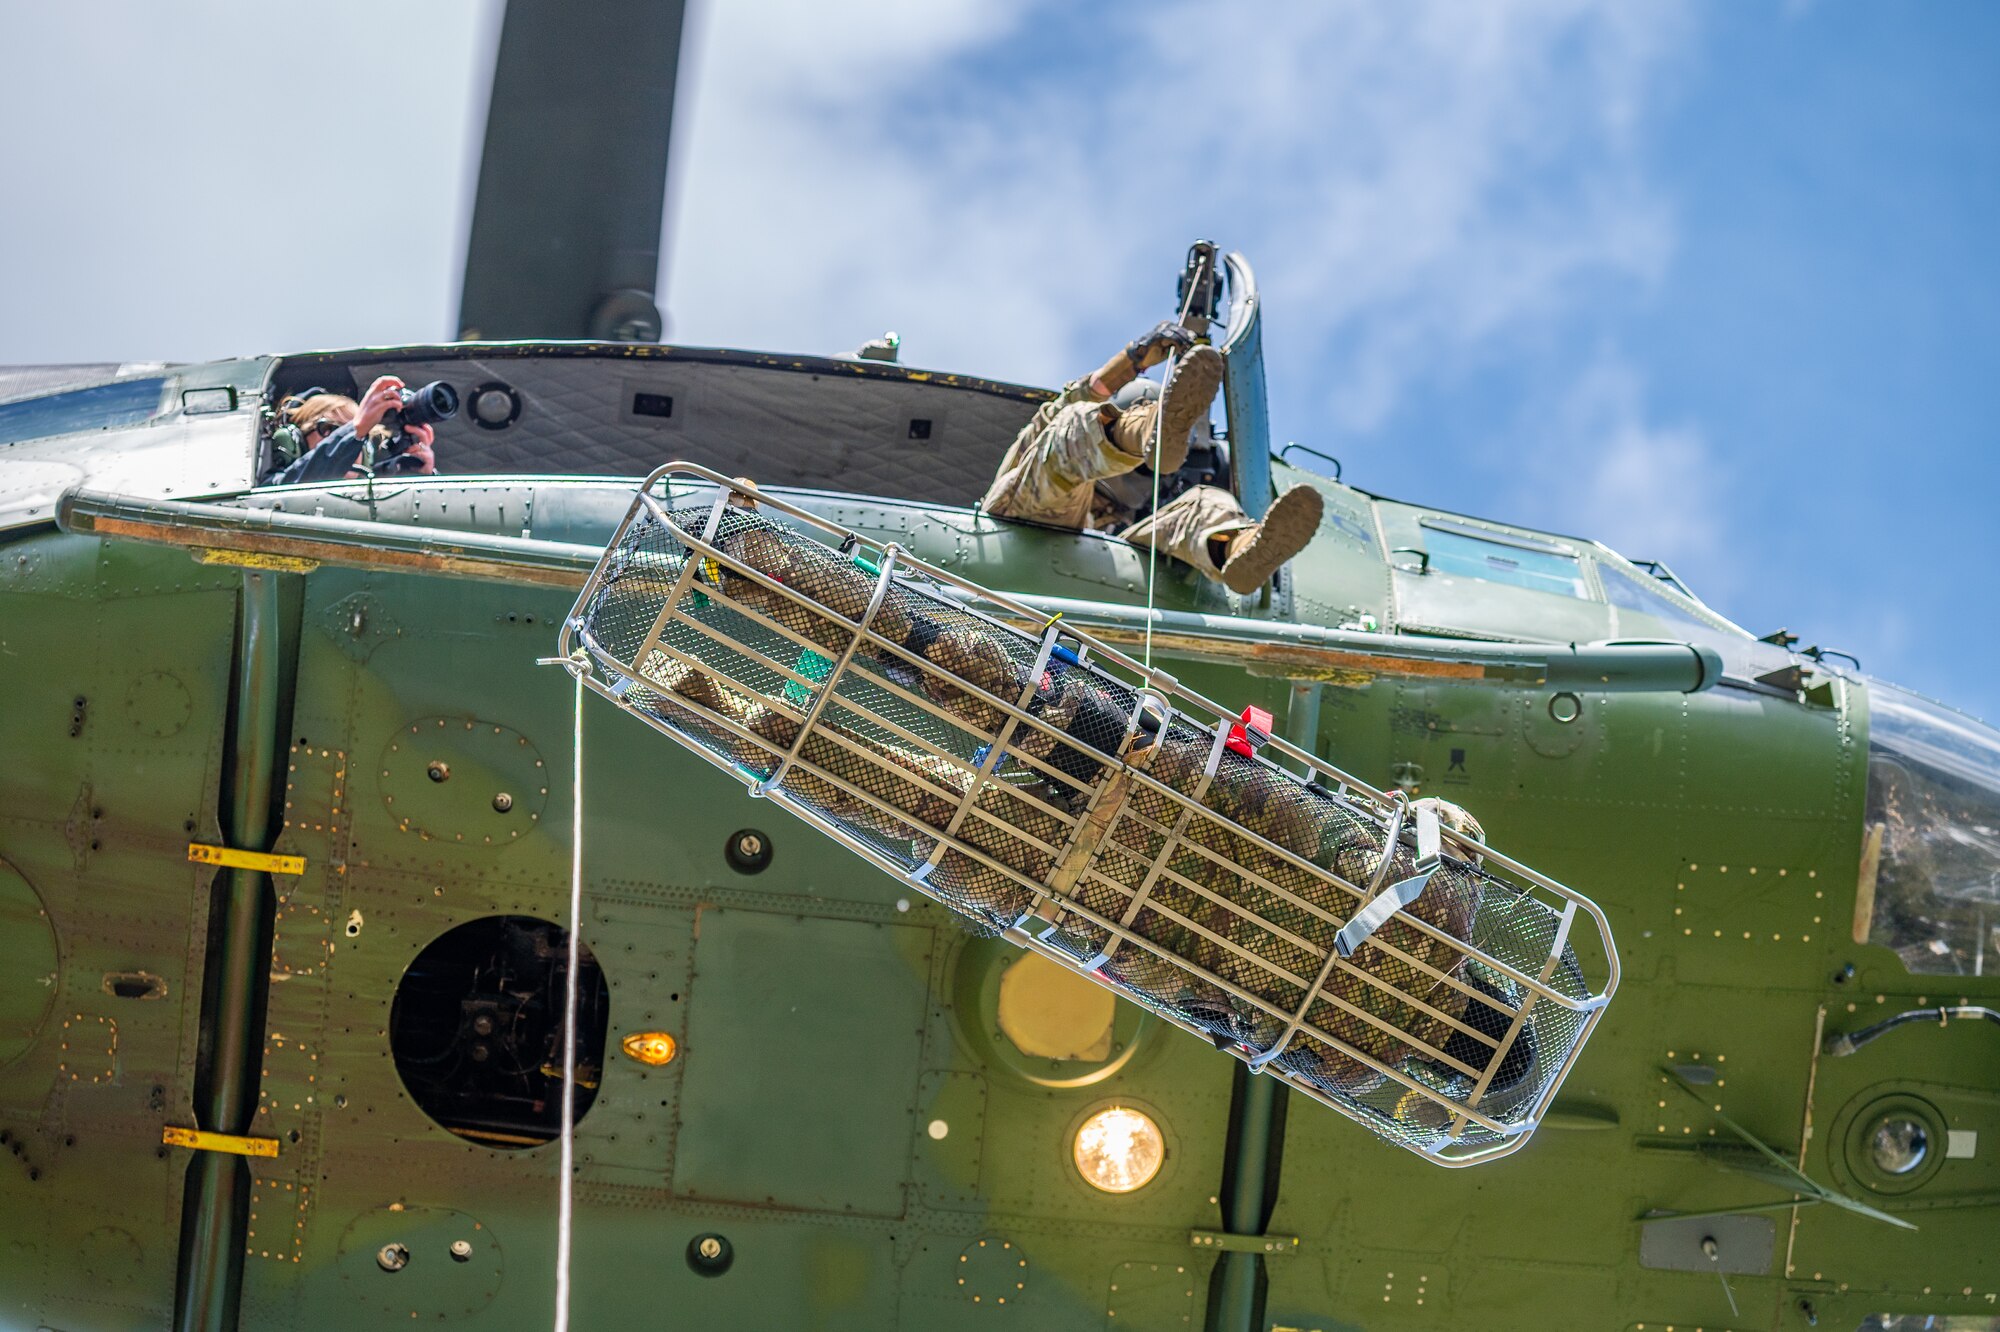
827 1018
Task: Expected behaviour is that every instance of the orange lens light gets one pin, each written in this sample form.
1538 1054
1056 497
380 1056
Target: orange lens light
654 1049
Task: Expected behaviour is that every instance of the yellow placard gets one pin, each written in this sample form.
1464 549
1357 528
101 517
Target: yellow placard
204 1141
252 559
201 853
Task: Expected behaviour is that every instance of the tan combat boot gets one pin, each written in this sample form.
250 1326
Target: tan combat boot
1258 552
1185 400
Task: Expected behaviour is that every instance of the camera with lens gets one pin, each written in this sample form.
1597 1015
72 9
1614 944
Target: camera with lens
434 402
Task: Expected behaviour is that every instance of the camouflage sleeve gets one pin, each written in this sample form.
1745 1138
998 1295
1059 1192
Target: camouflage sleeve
1077 390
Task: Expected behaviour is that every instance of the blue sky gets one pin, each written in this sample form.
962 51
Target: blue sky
1713 282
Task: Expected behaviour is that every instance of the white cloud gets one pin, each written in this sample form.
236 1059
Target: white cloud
190 181
1598 464
1645 490
1649 488
1011 188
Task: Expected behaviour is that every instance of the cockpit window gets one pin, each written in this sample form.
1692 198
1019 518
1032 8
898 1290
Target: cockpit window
1540 566
1644 596
127 402
1930 859
1887 1322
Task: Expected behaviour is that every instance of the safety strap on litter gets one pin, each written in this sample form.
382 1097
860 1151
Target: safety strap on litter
1105 807
1396 896
1114 942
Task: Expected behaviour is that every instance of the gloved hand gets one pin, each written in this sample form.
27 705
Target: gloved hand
1149 349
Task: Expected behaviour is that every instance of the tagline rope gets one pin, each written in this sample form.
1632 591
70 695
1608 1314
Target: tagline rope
1153 546
1159 438
578 665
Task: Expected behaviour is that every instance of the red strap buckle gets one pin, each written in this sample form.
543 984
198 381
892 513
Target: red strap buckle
1248 735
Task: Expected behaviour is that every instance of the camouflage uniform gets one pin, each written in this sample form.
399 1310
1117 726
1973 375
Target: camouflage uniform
1183 527
1052 468
1050 475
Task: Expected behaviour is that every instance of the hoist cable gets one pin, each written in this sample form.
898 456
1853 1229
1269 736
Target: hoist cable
1159 439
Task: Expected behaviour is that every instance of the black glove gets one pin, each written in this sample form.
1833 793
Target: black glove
1166 338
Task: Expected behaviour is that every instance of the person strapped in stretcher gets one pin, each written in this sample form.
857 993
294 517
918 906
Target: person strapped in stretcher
1064 468
1231 930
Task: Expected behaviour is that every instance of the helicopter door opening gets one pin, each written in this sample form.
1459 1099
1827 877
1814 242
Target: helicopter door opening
814 423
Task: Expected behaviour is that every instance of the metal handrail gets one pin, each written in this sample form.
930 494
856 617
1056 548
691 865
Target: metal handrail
1296 447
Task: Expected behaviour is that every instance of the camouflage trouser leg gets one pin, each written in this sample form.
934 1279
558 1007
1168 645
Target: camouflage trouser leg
1184 527
1050 471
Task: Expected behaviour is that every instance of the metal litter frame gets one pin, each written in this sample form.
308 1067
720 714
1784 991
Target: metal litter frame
1085 829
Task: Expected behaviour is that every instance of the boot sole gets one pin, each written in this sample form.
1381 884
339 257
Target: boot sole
1188 393
1289 525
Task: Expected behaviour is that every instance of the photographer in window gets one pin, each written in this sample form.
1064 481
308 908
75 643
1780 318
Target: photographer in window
304 422
390 426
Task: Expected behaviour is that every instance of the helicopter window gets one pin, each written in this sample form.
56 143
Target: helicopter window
127 402
1929 1323
1644 596
1930 863
1497 558
476 1029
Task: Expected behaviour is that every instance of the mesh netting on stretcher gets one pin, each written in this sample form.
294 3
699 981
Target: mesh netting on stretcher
1049 788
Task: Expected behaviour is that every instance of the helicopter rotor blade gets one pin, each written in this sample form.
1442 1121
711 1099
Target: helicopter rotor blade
565 236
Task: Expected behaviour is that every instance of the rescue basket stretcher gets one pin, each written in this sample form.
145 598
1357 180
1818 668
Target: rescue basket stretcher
1051 789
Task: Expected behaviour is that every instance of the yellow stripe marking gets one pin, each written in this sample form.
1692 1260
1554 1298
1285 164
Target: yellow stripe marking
253 559
203 1141
201 853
